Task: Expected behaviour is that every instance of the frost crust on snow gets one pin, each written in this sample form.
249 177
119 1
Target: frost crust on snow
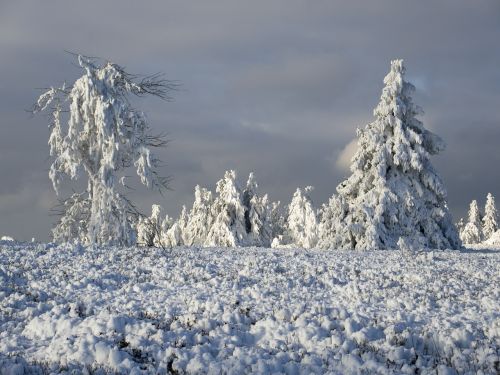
191 310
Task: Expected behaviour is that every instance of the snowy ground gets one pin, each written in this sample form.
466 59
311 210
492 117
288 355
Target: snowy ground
247 311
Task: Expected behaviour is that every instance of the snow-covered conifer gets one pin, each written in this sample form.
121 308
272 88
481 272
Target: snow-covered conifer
394 191
174 233
249 192
301 227
472 232
104 136
490 219
228 228
277 220
330 215
257 215
199 218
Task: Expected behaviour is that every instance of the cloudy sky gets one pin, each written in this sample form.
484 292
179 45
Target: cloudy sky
275 87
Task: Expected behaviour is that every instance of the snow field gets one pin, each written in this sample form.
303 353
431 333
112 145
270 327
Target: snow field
247 310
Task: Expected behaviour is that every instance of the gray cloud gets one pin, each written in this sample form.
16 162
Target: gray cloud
275 87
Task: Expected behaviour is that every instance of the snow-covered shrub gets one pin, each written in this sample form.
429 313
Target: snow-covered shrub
472 232
394 191
490 219
301 228
104 135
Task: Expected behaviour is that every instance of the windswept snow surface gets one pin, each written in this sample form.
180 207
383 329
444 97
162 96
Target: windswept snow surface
249 310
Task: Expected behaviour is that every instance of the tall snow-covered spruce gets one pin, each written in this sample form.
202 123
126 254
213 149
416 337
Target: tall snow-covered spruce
394 197
104 136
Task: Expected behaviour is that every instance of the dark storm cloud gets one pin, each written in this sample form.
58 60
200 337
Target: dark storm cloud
275 87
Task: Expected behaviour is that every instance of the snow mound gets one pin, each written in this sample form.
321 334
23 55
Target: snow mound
69 309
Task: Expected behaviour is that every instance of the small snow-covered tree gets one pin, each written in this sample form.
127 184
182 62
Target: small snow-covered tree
258 222
104 135
164 228
472 232
173 234
394 192
149 229
249 192
490 219
328 229
301 227
228 228
277 220
200 218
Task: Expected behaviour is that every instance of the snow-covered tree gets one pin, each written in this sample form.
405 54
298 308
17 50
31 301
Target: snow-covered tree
394 192
249 192
149 229
277 220
301 227
104 135
472 232
258 219
490 219
173 233
228 228
200 218
328 226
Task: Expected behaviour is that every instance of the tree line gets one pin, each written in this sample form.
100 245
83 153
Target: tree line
393 198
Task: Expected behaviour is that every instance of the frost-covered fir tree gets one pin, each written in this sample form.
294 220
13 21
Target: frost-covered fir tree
104 135
472 232
490 219
394 194
301 227
228 228
258 219
200 218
